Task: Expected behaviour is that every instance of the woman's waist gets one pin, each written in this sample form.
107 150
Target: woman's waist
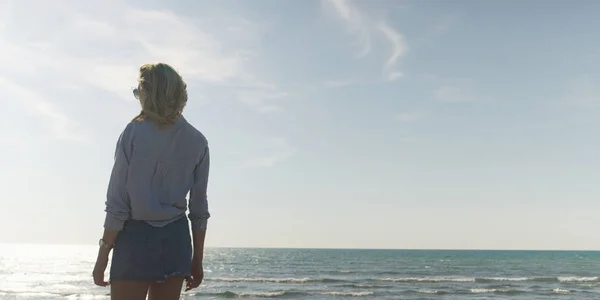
150 209
133 221
151 232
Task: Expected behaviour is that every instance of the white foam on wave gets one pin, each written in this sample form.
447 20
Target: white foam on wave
348 294
261 294
479 291
577 279
495 290
560 291
272 280
490 279
429 279
48 295
365 286
427 291
507 278
87 297
37 295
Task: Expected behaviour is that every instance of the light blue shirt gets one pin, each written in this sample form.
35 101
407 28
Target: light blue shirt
154 170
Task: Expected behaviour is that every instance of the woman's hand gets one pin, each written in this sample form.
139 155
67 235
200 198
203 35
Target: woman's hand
100 268
197 271
195 280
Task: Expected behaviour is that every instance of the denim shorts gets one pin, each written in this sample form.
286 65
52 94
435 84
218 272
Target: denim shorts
143 252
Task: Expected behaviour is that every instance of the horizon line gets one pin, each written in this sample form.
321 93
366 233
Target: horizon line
329 248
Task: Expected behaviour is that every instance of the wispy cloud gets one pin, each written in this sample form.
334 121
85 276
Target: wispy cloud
118 38
365 28
436 29
356 23
197 52
276 151
58 123
398 49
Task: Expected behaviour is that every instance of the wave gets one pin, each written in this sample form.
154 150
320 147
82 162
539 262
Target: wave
431 292
366 286
32 294
276 280
286 294
560 291
497 291
293 280
427 279
48 295
572 279
348 294
578 279
490 279
229 294
301 294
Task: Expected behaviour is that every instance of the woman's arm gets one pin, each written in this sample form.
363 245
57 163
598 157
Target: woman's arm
117 202
199 204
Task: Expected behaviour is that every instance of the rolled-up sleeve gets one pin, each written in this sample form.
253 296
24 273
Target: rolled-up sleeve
198 200
118 209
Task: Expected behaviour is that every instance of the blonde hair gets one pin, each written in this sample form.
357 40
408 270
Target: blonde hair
162 94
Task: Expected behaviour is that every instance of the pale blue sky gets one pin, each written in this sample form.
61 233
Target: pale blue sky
369 124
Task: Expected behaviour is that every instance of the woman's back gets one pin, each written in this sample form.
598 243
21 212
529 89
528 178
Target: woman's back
161 164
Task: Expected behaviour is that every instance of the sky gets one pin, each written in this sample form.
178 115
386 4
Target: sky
332 123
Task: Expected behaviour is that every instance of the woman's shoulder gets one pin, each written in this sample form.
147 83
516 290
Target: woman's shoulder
136 125
196 134
135 129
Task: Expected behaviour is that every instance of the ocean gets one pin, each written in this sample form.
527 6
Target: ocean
64 272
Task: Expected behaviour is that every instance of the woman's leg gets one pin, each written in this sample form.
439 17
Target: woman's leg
128 290
168 290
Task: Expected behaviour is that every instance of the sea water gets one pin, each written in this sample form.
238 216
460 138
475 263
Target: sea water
64 272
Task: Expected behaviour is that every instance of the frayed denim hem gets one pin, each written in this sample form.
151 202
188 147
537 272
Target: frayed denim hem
174 274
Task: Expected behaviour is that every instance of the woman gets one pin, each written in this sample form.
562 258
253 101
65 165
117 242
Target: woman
159 158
